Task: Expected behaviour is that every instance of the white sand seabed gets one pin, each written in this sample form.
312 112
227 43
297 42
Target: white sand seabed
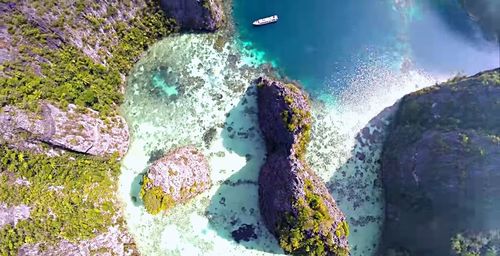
212 94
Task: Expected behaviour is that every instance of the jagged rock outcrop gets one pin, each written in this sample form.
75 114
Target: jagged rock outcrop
204 15
72 129
440 166
179 176
295 204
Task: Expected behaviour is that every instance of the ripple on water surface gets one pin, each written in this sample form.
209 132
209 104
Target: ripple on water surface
190 90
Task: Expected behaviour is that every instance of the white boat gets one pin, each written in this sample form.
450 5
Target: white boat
266 20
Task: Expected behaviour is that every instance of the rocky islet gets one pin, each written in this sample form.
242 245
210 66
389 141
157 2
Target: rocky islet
175 178
295 204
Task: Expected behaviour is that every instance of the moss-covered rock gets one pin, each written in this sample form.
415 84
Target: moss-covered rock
179 176
295 204
284 116
440 165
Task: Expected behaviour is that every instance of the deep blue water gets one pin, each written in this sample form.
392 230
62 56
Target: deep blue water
316 41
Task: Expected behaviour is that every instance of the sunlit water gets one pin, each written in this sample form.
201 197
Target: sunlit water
189 90
321 42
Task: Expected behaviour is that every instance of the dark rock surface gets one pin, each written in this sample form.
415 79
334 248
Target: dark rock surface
295 203
284 114
200 15
440 166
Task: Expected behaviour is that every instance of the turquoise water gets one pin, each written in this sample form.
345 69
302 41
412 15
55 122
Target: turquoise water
358 56
324 42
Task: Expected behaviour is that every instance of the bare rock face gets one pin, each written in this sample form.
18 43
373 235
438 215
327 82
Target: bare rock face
113 242
296 206
200 15
68 130
179 176
11 215
440 169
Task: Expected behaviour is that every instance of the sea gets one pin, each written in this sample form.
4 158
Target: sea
354 58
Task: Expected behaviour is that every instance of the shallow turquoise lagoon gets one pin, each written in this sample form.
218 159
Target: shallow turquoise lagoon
354 57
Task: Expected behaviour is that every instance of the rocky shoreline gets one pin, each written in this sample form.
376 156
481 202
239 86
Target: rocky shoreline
64 65
84 136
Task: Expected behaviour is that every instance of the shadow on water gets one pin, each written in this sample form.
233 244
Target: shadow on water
233 211
357 186
135 189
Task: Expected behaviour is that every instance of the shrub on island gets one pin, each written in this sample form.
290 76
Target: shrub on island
177 177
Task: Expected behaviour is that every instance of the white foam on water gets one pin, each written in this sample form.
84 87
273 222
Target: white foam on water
215 110
347 143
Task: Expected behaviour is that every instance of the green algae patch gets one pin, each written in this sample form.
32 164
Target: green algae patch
308 231
70 197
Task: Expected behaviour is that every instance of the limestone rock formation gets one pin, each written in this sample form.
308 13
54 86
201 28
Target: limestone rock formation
440 167
69 129
295 204
179 176
200 15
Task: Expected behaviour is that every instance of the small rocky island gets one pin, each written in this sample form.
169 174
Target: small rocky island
177 177
440 167
294 202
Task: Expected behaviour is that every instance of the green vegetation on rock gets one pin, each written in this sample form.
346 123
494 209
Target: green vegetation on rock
71 197
492 78
65 74
487 244
155 199
312 218
298 121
